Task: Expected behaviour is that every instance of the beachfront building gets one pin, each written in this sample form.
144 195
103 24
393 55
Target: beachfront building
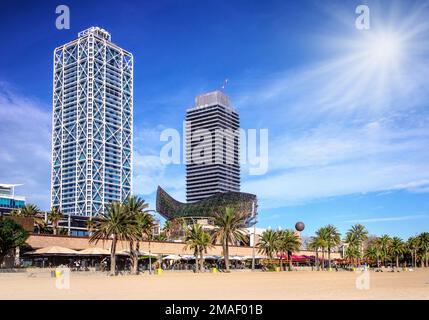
212 165
212 147
92 137
8 199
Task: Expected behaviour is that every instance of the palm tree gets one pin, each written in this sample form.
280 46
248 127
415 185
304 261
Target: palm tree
168 227
231 228
373 253
413 245
31 211
136 207
116 224
352 253
145 224
55 217
199 241
332 238
315 244
384 244
268 243
356 236
322 235
90 225
15 213
424 247
396 249
205 242
288 241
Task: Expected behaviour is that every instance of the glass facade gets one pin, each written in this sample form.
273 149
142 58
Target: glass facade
92 124
217 167
11 203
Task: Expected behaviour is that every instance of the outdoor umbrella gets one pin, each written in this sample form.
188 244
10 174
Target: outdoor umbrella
53 250
188 257
172 257
94 252
211 257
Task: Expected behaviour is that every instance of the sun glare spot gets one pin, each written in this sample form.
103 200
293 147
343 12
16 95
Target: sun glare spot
384 49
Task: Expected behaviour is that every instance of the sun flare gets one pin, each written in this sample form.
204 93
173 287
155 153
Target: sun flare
384 49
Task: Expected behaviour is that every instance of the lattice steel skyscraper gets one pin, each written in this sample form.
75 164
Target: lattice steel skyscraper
212 147
92 138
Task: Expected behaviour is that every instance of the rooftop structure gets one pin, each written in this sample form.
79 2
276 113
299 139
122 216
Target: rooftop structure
8 199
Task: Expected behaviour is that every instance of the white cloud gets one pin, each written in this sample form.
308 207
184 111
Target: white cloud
25 137
388 219
149 173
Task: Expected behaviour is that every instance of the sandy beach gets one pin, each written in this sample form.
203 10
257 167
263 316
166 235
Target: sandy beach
236 285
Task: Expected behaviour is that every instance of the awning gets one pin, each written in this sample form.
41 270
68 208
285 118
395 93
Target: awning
53 250
94 252
172 257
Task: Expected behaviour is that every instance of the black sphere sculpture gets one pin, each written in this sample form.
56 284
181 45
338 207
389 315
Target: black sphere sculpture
299 226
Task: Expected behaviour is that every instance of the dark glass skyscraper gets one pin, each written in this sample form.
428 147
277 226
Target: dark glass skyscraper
212 147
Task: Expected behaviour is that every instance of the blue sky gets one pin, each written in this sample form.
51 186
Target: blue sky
348 126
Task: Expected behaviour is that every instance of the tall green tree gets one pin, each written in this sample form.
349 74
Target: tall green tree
315 244
136 208
12 235
333 239
397 249
424 247
353 254
115 224
288 242
167 229
205 243
412 246
230 229
199 241
383 243
55 217
322 236
373 253
356 236
90 225
268 243
31 211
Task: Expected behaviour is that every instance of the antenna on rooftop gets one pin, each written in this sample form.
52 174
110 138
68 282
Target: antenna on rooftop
225 82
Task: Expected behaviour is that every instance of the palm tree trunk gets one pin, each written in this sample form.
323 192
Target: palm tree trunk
202 261
281 261
137 256
290 260
150 257
323 259
415 259
113 256
226 254
317 260
329 258
197 261
134 257
397 261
